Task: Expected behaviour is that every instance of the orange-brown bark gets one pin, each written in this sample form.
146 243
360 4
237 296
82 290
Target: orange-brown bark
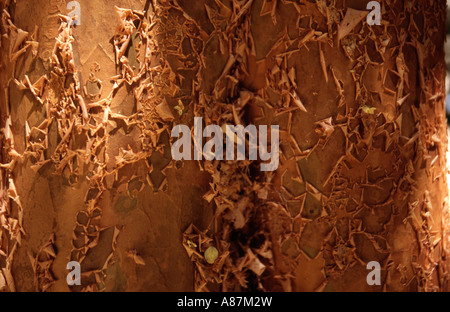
87 163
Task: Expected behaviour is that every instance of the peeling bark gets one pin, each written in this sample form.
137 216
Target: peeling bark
87 174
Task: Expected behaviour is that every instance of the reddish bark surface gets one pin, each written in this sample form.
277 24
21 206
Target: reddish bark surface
88 174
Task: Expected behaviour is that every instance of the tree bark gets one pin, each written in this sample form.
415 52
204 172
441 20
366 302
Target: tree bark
87 173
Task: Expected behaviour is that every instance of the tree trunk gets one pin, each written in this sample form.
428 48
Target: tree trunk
88 176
